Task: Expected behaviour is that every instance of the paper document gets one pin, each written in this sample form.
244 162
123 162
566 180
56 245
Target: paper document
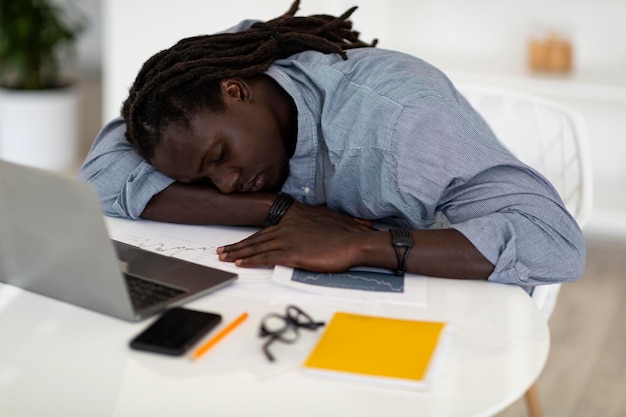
359 283
197 244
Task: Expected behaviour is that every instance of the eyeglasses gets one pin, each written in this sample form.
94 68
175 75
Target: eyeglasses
285 328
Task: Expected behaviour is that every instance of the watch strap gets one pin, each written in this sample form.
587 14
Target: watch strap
278 209
402 242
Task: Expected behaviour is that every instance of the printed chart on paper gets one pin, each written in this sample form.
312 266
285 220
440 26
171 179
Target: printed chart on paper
355 280
359 283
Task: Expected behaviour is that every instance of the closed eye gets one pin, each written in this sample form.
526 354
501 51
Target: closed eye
220 156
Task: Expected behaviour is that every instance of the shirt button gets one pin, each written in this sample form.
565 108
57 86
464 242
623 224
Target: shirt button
306 190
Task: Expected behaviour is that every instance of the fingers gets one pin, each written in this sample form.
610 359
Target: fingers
251 260
252 251
254 256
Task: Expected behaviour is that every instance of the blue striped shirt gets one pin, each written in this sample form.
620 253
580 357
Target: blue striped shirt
386 136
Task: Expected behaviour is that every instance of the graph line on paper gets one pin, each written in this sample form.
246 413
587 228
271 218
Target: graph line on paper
191 243
354 280
170 250
173 246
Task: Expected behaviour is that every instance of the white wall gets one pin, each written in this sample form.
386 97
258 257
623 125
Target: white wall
89 46
476 34
137 29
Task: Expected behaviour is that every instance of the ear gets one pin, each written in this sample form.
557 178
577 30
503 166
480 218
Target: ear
236 89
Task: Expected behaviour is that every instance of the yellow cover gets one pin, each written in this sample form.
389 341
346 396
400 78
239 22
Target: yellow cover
385 349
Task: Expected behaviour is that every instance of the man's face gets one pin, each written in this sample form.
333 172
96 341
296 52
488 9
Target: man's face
239 150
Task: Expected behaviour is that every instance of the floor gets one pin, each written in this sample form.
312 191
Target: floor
585 375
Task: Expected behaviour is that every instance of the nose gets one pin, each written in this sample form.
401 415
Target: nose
226 179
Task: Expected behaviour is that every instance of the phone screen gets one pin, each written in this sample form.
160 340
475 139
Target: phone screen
176 331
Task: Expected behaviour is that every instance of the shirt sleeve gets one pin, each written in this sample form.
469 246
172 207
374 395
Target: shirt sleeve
123 180
509 211
526 232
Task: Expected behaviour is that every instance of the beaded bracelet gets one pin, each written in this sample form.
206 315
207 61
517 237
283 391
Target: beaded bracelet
278 209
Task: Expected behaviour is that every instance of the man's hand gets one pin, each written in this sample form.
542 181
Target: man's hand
315 238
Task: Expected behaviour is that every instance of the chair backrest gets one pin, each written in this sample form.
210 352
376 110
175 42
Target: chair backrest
548 136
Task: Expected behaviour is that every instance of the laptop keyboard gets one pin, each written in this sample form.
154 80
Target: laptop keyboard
145 293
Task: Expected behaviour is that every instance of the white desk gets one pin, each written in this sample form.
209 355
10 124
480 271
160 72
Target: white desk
61 360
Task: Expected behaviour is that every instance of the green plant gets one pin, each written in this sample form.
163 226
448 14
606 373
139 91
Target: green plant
33 36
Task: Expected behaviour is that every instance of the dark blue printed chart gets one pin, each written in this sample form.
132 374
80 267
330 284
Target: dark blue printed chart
353 280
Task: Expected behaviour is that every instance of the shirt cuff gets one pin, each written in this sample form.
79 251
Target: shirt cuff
495 238
144 182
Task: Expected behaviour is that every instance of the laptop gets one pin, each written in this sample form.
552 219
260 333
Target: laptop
54 242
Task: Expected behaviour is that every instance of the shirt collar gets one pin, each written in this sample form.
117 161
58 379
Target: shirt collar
301 182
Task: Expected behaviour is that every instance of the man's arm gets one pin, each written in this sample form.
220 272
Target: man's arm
202 204
129 187
123 181
302 240
307 238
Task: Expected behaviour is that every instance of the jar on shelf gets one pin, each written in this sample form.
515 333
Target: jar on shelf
550 50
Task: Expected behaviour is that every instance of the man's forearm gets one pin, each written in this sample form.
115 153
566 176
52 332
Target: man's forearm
201 204
438 253
318 239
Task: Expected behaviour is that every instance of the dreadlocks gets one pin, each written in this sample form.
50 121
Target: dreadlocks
176 83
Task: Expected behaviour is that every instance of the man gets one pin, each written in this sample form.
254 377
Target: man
216 126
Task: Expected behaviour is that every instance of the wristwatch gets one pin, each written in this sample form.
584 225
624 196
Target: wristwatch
401 240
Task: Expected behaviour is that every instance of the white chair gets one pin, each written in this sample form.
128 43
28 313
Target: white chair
551 138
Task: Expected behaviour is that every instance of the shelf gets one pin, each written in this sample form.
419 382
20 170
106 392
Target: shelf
604 85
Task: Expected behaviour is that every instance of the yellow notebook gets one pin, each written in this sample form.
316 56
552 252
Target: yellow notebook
378 349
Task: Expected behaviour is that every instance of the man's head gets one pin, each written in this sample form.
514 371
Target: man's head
244 148
178 97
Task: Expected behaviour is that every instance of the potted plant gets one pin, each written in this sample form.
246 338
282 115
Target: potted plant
38 102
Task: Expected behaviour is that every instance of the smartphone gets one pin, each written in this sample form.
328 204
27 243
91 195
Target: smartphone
176 331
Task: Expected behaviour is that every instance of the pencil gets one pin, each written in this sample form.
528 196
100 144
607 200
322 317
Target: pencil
209 344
